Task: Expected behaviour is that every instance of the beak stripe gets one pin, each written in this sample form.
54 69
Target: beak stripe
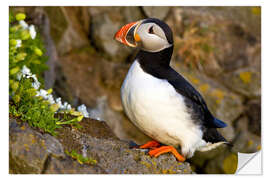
121 34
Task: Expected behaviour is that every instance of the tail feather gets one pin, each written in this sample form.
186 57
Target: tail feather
213 136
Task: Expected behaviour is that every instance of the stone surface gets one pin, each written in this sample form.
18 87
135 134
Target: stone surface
245 141
221 160
29 150
33 153
70 166
104 26
253 111
66 29
159 12
245 81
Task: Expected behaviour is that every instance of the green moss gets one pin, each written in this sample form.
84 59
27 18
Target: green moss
80 158
204 88
245 77
218 94
230 164
256 10
146 164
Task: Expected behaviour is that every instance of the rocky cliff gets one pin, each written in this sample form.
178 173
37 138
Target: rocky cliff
32 152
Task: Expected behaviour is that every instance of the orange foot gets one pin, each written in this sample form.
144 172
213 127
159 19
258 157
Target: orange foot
150 145
164 149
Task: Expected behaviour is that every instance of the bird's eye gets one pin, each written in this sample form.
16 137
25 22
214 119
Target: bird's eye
151 31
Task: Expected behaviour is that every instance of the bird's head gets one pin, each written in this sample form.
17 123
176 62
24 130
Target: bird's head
152 34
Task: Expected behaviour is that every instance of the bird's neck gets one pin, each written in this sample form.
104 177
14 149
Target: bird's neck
155 60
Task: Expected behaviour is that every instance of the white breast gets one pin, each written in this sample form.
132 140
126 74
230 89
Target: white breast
159 111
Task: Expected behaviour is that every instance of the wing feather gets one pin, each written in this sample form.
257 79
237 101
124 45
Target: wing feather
183 87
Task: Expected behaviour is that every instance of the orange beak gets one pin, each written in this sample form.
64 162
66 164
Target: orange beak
127 34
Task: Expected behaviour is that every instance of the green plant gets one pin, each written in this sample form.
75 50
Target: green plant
80 158
25 49
35 110
26 65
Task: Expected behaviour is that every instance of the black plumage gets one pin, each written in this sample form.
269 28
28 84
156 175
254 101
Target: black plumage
163 26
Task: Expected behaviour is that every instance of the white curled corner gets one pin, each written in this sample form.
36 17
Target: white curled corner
249 163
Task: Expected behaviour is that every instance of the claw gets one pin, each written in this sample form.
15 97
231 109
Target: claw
132 145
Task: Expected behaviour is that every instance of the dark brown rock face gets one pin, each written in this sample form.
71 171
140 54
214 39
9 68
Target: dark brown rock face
31 152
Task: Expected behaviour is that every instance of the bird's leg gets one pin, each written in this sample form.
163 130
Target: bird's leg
156 150
150 145
164 149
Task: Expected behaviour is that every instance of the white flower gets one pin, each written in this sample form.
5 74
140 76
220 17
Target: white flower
19 43
38 93
36 84
26 71
43 93
64 106
68 107
19 76
83 110
23 24
32 31
50 99
34 77
31 28
58 101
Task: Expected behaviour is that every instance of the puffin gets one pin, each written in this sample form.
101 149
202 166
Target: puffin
160 101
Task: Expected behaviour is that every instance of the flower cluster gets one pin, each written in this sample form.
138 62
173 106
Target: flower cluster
82 108
62 106
26 73
31 102
31 28
25 50
46 94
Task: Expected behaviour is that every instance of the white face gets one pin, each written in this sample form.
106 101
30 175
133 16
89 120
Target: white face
152 37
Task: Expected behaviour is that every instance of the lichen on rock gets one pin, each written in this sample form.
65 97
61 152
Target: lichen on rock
32 152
